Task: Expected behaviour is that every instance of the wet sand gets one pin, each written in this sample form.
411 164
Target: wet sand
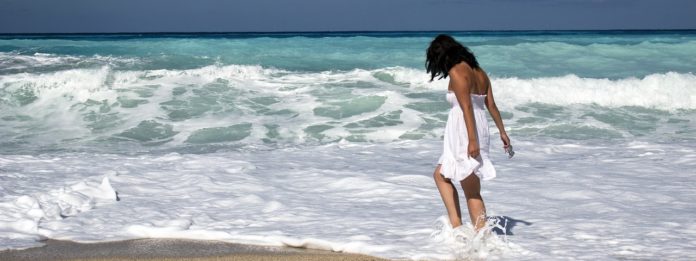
171 249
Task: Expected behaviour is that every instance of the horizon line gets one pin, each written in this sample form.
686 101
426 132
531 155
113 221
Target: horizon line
354 31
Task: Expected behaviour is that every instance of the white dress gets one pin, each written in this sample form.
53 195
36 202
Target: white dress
455 161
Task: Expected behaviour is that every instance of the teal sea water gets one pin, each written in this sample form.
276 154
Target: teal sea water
200 92
329 141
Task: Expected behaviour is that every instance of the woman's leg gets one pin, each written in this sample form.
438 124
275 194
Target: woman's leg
472 191
449 196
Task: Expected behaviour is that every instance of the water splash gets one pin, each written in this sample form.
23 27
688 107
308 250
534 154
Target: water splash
468 244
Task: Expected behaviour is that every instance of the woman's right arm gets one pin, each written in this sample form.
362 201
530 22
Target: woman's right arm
493 110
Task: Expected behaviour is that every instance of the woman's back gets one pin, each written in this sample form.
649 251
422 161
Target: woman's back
479 83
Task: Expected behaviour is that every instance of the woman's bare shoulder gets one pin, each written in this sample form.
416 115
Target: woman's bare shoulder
460 70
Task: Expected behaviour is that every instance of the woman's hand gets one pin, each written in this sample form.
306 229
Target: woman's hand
506 140
473 149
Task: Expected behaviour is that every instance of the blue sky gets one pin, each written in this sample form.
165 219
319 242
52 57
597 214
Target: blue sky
79 16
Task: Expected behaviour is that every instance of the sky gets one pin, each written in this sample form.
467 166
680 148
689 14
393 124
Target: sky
108 16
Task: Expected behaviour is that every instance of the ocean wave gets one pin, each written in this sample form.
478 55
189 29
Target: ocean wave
666 91
15 62
245 104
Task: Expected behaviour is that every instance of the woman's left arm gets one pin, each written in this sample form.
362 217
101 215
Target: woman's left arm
495 114
460 82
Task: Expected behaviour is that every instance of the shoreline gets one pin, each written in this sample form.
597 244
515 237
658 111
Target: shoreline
171 249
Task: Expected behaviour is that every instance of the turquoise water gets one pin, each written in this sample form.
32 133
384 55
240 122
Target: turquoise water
203 92
531 54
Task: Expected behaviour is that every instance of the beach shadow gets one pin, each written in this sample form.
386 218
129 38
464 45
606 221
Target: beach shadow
506 224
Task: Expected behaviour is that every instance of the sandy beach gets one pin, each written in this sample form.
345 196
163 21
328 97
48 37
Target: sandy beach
170 249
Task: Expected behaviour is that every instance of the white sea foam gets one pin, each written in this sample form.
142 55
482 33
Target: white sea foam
289 107
22 214
669 91
556 200
12 62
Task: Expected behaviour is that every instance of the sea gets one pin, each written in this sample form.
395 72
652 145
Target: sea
328 140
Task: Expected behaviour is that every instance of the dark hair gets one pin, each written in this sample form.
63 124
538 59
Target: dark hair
444 53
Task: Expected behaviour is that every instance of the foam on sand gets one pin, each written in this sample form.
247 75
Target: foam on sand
20 218
375 199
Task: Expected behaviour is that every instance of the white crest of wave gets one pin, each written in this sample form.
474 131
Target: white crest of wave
669 91
56 100
203 74
79 84
666 91
17 61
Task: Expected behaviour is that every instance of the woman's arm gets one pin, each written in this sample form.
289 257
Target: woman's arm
493 110
460 83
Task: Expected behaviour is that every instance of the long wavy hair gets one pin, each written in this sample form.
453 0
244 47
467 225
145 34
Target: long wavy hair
444 53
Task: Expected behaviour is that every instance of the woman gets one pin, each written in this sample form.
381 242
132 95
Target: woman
466 140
